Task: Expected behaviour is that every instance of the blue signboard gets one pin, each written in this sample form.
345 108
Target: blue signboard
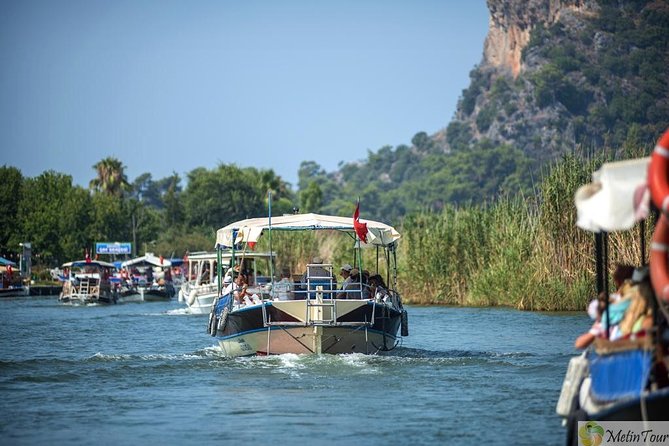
113 248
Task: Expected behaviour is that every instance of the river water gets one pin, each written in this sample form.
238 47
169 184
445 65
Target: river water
149 374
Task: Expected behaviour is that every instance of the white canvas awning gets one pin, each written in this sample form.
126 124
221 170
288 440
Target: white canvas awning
95 263
617 198
250 230
147 259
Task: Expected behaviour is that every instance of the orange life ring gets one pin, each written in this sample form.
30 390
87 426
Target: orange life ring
658 174
659 248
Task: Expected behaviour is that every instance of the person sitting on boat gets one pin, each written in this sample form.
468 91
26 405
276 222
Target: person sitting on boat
628 308
240 288
378 289
638 316
283 289
204 276
622 278
352 289
366 293
345 272
595 310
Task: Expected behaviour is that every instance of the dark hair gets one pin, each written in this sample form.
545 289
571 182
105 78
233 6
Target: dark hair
378 279
622 273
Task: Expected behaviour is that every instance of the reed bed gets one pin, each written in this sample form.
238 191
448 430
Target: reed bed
522 252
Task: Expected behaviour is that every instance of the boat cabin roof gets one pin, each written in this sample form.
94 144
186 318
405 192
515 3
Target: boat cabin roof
250 230
94 263
147 260
227 255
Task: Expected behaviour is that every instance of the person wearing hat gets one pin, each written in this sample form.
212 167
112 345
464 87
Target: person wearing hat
345 272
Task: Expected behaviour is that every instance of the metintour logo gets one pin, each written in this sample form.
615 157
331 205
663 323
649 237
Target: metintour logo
590 434
610 433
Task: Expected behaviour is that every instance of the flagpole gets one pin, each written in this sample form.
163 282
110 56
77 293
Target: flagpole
271 258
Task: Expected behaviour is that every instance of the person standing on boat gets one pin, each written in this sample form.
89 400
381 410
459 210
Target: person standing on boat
345 272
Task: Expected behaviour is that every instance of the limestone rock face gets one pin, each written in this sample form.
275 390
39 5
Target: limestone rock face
511 23
502 104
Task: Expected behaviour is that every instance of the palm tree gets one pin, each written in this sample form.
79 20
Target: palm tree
111 178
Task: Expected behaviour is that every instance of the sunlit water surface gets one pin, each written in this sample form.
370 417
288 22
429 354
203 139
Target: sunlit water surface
149 374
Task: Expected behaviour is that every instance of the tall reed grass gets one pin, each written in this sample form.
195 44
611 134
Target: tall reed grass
523 252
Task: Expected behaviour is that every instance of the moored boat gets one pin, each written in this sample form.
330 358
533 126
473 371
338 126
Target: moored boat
623 376
11 284
309 315
88 282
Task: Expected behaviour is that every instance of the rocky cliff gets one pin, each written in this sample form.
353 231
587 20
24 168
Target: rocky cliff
557 74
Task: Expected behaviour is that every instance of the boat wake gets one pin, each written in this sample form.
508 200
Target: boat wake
179 312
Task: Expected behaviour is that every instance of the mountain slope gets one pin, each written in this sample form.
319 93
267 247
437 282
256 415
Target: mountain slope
556 76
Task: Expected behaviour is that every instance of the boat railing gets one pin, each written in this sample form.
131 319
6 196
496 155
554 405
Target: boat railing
320 312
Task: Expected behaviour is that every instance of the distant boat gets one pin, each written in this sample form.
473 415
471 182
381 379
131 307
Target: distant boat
148 279
201 289
10 286
307 316
88 282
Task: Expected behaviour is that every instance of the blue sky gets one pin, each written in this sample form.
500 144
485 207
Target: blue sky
167 86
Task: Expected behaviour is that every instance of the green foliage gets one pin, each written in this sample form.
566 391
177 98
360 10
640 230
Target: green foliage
54 216
111 178
486 117
220 196
621 52
11 183
515 251
458 135
311 198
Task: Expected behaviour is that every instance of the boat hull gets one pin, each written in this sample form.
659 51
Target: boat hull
158 295
202 305
302 327
144 294
199 298
86 299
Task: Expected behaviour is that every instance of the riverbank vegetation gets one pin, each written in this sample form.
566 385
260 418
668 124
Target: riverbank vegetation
521 251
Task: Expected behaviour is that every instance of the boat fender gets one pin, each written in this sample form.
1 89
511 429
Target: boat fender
213 322
191 297
223 319
659 247
405 323
658 174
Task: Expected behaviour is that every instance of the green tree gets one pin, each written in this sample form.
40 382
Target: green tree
214 198
11 184
311 198
54 215
111 178
174 212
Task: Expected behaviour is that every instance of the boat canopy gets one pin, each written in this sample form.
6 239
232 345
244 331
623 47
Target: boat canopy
147 259
617 198
250 230
227 255
96 263
5 262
